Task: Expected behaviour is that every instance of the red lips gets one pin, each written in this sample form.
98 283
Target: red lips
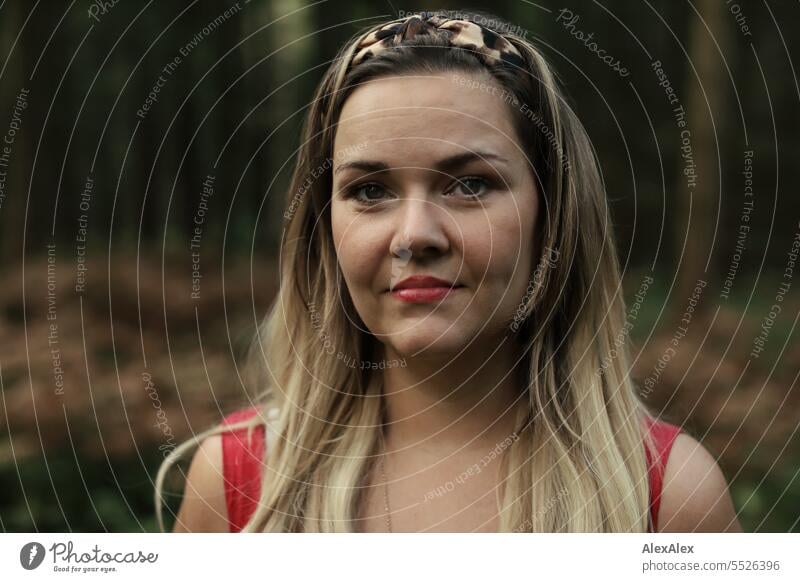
423 289
421 282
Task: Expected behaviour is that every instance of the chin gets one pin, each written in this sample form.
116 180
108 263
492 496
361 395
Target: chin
438 342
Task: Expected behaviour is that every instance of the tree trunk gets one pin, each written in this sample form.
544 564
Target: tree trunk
698 182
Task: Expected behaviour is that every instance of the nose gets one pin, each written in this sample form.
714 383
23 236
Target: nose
420 230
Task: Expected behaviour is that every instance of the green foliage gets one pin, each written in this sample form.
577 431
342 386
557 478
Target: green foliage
81 494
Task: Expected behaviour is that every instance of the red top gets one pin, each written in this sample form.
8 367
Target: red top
663 434
242 462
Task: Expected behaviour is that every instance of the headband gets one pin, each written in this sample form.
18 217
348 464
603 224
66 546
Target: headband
461 33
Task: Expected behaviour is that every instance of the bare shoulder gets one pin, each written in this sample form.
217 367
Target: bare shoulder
695 495
203 508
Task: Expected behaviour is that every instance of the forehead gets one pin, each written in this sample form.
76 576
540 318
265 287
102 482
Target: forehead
408 115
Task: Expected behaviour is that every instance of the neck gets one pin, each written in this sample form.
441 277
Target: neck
444 404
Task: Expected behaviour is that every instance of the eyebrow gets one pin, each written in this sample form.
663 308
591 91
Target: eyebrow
446 165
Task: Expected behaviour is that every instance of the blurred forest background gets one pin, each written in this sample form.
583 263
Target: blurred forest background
100 189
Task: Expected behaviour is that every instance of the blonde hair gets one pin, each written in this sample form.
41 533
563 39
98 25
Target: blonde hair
578 464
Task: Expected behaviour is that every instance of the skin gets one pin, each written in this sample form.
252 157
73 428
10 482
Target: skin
453 401
695 497
203 506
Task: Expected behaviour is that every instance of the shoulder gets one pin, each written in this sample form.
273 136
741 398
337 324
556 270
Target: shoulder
221 463
695 495
203 508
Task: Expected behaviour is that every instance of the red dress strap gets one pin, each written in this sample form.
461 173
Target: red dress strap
663 435
242 462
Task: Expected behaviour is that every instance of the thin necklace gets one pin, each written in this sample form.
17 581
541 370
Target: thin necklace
385 486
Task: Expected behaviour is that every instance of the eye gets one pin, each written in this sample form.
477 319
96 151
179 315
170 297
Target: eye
365 193
471 187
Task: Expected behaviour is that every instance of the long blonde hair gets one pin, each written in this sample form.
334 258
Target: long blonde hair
579 463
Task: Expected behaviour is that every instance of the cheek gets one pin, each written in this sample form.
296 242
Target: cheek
358 248
498 253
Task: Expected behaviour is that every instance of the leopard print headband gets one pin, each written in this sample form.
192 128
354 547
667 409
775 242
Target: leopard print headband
461 33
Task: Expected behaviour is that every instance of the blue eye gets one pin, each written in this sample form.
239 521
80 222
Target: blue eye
471 187
362 192
370 193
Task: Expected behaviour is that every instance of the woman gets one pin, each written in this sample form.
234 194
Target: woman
441 355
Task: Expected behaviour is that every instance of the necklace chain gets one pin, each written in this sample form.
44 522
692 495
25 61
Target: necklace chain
385 485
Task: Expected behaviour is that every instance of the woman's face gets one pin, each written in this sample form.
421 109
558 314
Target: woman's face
429 179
